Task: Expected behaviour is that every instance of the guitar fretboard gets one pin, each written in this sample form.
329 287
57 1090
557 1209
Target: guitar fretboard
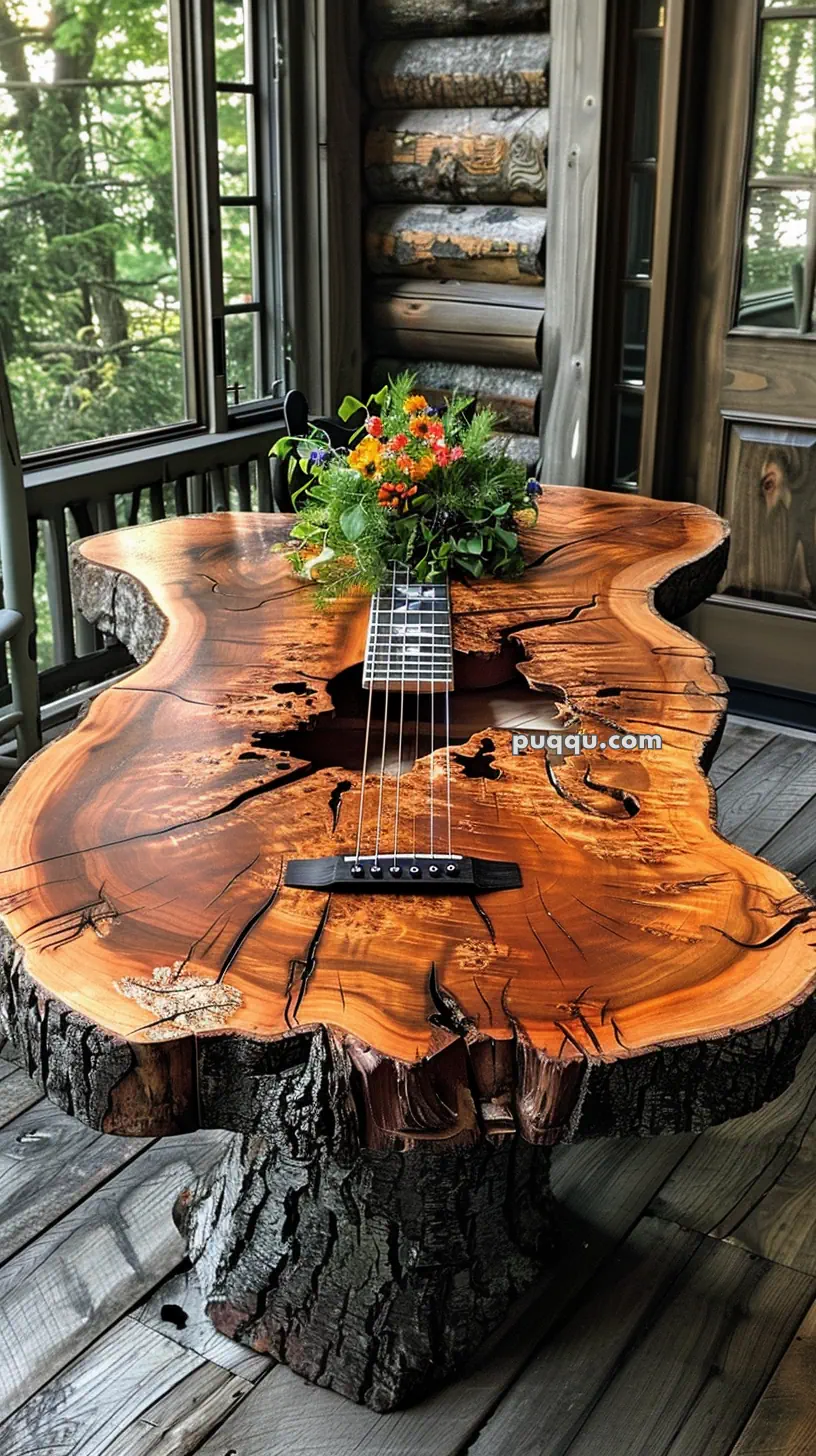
409 637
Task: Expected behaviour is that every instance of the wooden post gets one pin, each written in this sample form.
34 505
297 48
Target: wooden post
18 588
576 78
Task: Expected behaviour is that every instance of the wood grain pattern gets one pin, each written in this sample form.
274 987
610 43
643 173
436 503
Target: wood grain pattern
146 923
784 1422
480 323
476 70
496 155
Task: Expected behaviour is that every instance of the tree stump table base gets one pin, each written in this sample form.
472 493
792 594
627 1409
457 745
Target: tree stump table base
373 1273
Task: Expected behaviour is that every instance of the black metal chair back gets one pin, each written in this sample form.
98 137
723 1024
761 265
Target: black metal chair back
297 421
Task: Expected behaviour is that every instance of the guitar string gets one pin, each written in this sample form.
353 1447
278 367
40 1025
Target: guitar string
433 695
418 695
448 674
371 644
406 601
385 714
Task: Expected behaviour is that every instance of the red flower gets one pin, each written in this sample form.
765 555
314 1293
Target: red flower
457 452
374 426
442 454
398 442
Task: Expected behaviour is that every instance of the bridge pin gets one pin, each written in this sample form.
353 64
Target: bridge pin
415 872
357 870
433 869
396 871
451 869
376 871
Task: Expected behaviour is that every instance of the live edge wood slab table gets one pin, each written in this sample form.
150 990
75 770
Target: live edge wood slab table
397 1068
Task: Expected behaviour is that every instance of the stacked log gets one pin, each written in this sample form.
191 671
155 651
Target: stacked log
445 319
455 160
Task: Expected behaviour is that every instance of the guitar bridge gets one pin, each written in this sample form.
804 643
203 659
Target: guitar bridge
403 874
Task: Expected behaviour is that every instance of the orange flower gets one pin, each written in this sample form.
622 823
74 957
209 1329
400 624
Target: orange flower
421 467
415 403
422 427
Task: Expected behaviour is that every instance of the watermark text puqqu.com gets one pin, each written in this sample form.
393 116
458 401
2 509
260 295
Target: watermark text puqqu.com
579 742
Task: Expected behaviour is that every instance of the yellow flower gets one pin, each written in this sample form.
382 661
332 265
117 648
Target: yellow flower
366 457
415 403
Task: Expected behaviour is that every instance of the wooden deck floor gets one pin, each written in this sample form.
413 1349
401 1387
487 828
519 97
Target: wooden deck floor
679 1321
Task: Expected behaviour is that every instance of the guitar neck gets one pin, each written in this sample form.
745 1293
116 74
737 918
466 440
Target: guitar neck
409 643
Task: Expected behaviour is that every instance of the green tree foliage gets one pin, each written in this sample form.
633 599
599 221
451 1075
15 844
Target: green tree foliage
89 287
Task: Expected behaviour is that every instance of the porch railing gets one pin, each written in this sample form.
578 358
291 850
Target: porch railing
74 499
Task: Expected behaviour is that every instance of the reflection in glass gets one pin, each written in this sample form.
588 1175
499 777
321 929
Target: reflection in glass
651 15
641 219
242 332
230 41
635 328
773 257
647 99
237 228
234 131
627 438
785 122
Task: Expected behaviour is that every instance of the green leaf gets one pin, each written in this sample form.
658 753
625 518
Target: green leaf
507 538
381 396
475 544
349 407
353 522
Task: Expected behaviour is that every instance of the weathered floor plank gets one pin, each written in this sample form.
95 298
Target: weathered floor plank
793 847
134 1391
755 802
176 1310
67 1287
752 1181
17 1092
784 1421
690 1375
49 1162
740 742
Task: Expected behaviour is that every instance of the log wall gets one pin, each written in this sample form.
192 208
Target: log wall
455 175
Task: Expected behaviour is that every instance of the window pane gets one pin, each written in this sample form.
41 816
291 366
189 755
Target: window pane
641 218
231 58
635 328
237 245
234 132
773 258
627 438
89 290
647 99
785 123
243 337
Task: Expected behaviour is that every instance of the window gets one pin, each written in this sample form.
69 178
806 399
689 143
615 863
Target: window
779 233
137 174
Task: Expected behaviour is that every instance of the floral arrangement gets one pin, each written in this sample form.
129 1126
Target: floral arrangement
416 485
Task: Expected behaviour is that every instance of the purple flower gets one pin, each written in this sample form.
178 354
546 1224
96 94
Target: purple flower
318 457
533 488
